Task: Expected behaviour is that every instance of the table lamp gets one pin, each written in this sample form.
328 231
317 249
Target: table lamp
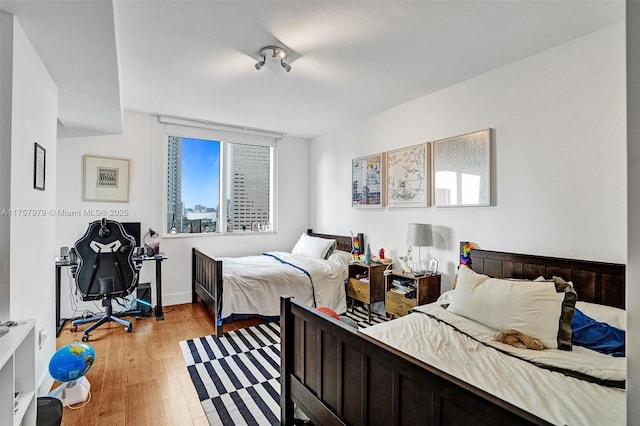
419 235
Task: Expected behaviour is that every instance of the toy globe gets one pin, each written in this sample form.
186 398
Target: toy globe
69 364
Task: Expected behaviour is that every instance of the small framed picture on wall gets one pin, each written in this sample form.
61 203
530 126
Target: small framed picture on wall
39 166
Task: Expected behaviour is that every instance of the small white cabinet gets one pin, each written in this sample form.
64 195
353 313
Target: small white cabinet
17 375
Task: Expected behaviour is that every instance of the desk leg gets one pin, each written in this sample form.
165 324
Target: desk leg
158 309
59 321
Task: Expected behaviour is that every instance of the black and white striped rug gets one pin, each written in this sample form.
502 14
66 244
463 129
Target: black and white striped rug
237 376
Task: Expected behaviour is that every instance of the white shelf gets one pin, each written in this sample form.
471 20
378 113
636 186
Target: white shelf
17 374
24 401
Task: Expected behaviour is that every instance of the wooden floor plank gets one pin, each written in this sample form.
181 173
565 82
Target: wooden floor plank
140 378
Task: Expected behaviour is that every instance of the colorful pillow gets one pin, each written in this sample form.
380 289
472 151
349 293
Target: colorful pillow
533 309
312 247
328 311
597 336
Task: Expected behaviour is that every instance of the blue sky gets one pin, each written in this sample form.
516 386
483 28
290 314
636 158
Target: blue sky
200 172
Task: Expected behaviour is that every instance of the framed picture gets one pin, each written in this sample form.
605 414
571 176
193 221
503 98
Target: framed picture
367 181
462 170
105 179
407 177
433 267
39 166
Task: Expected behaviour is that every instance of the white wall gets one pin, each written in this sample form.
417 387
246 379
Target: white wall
34 119
560 132
6 83
633 265
142 142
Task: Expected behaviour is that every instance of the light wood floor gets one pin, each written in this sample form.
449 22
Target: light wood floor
140 378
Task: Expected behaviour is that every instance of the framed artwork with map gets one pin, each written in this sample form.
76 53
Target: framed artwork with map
367 181
407 177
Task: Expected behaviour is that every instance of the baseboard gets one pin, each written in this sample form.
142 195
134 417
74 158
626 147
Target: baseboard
175 298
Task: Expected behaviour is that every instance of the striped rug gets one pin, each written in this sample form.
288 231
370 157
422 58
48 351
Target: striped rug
237 376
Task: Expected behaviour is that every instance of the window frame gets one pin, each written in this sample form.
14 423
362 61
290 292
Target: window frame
205 131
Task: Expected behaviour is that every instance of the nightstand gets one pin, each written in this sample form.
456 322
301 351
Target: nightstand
404 292
366 283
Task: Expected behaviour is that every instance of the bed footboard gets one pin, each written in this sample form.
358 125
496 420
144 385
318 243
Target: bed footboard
339 376
206 285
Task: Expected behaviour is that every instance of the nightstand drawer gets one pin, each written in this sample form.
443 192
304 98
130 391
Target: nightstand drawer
358 290
397 304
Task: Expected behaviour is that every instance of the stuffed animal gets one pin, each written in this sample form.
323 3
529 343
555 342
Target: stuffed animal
519 340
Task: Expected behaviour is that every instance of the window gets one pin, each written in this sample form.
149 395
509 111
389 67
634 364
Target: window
215 185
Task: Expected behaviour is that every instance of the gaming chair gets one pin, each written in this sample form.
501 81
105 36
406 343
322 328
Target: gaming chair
105 270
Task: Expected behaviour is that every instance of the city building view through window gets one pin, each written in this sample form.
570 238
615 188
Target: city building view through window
195 186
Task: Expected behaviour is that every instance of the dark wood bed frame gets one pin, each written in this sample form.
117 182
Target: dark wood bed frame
206 277
339 376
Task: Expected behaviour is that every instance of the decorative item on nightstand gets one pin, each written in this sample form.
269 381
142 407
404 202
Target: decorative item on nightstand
420 235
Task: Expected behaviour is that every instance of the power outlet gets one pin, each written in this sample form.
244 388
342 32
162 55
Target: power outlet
42 336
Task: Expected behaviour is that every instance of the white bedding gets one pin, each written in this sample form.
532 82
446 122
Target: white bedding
254 284
550 395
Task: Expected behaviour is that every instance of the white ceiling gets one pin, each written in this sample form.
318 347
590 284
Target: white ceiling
352 59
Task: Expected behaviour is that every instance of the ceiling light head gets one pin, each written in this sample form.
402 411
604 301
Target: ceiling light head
275 52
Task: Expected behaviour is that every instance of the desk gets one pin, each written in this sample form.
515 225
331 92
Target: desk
157 309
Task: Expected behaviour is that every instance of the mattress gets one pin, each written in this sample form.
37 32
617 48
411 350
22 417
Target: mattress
525 378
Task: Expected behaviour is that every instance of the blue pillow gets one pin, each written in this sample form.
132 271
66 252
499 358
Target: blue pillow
597 336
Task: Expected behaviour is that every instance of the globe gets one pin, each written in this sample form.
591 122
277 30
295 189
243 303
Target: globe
71 362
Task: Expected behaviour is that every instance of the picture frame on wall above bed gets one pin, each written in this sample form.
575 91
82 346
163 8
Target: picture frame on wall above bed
462 170
368 181
408 177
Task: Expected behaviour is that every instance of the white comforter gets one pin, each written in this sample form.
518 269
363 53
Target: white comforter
550 395
254 284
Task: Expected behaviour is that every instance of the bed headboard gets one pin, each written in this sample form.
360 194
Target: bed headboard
344 242
595 282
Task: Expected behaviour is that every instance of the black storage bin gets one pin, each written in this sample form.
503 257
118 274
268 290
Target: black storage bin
49 411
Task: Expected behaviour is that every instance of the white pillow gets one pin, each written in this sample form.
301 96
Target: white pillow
342 259
602 313
312 247
533 308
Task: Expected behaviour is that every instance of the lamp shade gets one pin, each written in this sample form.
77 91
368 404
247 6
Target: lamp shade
420 235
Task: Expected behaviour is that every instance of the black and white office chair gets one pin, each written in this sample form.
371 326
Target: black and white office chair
105 270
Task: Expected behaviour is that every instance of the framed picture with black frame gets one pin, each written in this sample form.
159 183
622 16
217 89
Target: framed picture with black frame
39 166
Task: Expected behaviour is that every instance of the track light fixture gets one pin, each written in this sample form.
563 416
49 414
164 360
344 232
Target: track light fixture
275 52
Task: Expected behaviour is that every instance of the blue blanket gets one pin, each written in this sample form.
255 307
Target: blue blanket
598 336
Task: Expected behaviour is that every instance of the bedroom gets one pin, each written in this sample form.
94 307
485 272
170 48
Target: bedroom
587 114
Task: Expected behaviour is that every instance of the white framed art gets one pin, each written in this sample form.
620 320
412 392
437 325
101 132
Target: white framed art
367 181
407 177
462 170
105 179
